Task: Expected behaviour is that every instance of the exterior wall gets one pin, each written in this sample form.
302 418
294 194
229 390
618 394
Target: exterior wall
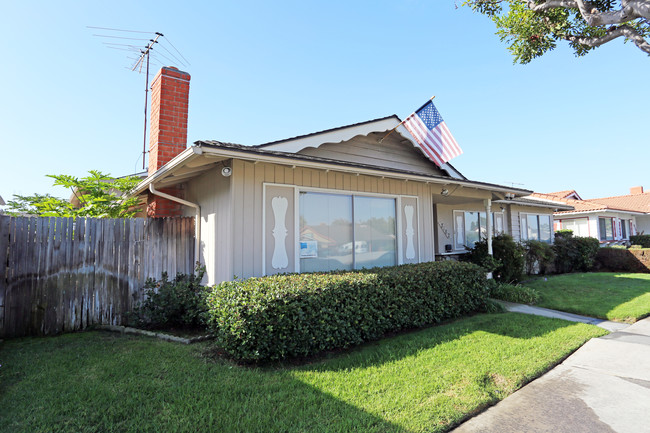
213 193
394 152
594 229
514 219
472 201
511 214
643 224
250 237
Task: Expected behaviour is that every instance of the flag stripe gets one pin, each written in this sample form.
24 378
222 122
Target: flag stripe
417 128
432 134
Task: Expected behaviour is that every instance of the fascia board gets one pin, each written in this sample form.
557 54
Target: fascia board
274 159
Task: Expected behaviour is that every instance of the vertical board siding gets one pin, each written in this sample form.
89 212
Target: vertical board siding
60 274
248 179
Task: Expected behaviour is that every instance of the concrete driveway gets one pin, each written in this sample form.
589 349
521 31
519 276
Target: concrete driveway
603 387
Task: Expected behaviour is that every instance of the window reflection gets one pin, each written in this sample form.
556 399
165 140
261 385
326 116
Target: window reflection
329 240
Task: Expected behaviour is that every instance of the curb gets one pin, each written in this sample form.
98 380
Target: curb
160 335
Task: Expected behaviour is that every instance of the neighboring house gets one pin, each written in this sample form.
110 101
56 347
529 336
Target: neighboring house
342 198
2 203
612 220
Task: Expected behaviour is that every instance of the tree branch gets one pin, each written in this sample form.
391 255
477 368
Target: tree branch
625 31
631 9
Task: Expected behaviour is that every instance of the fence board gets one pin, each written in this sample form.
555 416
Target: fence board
4 248
60 275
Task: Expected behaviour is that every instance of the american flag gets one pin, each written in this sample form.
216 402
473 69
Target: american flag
431 133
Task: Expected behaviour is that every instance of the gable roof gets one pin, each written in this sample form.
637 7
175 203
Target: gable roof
207 154
344 133
634 203
569 193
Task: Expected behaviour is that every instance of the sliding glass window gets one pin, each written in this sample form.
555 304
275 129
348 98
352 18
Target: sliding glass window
343 232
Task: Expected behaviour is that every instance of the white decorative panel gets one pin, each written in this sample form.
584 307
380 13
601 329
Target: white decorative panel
410 232
280 258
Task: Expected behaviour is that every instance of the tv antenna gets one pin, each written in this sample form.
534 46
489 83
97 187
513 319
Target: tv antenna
144 58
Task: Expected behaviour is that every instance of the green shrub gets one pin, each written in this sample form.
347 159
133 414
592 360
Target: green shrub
292 315
539 257
508 262
643 240
564 233
632 260
515 293
575 254
180 302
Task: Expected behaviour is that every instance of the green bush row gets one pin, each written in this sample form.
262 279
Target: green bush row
567 254
643 240
632 260
294 315
574 254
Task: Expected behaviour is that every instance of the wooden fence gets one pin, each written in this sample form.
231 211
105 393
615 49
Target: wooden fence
60 274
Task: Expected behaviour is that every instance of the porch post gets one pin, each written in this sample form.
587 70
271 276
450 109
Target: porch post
488 217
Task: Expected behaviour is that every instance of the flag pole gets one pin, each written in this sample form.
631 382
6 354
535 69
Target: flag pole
398 125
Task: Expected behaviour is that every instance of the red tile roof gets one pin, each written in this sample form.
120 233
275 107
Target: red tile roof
629 203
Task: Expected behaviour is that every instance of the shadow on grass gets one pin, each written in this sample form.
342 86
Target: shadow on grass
97 381
92 382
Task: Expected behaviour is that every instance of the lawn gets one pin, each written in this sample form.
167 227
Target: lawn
613 296
427 380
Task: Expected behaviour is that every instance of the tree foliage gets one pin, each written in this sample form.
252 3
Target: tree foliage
533 27
97 195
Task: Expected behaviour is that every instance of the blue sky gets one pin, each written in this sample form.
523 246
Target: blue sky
263 71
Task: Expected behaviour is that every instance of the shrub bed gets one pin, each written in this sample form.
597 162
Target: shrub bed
176 303
515 293
632 260
643 240
507 262
291 315
574 254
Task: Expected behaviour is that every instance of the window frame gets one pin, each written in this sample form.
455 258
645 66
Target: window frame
603 236
462 213
523 226
399 253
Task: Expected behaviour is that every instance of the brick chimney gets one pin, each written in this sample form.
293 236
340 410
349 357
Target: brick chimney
167 132
636 190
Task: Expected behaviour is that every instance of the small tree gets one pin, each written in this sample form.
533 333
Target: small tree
99 196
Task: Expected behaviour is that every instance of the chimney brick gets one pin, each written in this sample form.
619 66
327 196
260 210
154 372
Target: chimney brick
169 106
167 132
636 190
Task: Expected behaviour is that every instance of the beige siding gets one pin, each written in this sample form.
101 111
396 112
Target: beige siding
247 183
516 212
212 192
394 152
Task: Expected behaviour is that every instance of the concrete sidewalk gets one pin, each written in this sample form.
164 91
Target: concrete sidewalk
603 387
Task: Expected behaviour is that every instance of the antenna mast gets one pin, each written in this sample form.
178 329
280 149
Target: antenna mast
140 63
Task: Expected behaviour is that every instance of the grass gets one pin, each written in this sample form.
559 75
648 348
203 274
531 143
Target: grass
427 380
613 296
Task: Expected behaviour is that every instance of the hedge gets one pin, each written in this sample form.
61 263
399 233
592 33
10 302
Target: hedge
574 254
632 260
295 315
643 240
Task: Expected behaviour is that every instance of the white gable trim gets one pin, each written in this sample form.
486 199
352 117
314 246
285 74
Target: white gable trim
295 145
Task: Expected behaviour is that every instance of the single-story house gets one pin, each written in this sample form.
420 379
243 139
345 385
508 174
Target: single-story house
343 198
611 220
